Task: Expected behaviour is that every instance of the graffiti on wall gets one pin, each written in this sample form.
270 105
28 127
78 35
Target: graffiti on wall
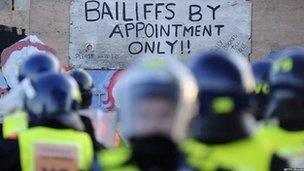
16 47
104 82
14 55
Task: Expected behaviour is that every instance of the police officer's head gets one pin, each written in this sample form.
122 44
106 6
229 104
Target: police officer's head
287 87
50 97
38 64
261 70
155 98
225 84
275 55
85 83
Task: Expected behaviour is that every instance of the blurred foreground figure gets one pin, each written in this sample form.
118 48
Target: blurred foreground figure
261 71
57 141
286 107
11 105
155 99
100 125
31 68
223 131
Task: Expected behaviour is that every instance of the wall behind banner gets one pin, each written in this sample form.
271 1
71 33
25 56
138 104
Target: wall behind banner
275 25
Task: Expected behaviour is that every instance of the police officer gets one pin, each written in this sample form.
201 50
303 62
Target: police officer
56 142
274 55
31 67
88 116
261 70
12 104
222 132
154 99
285 131
85 83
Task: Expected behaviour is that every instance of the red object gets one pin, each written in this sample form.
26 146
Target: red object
113 81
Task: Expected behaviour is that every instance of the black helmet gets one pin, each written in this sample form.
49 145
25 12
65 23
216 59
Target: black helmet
51 96
37 64
220 75
225 84
287 86
275 55
261 70
85 83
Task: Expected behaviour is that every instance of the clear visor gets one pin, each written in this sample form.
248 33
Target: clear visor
153 116
156 100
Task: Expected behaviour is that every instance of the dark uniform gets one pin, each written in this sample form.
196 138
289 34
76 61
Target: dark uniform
165 156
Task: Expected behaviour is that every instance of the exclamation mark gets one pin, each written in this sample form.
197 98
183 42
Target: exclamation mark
188 46
13 5
182 47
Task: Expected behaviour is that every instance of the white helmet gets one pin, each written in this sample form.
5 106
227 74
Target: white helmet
156 96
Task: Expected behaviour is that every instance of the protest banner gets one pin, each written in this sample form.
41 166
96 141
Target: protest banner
114 34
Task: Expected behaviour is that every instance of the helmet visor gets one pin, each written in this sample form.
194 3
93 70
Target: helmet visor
153 109
153 116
